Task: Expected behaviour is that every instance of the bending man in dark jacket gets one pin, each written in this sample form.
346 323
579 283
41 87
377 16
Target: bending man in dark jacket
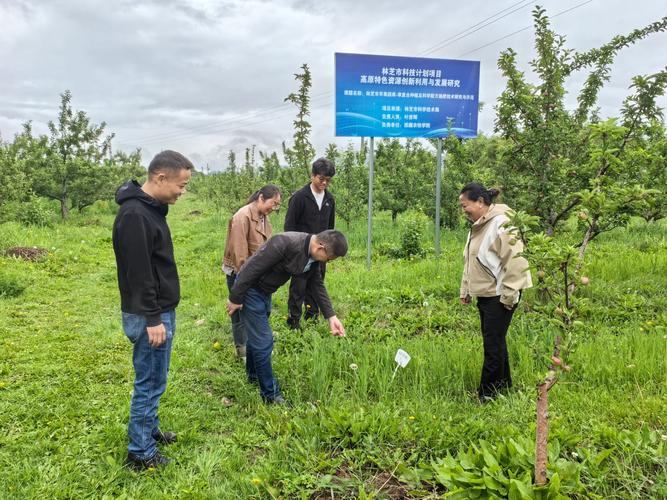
311 209
149 294
283 256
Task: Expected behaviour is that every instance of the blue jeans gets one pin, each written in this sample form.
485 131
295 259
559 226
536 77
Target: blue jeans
255 317
151 365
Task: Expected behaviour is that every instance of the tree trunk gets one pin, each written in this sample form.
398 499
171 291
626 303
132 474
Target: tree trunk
542 431
542 435
64 209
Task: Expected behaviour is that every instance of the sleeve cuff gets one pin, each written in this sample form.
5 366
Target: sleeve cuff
509 300
153 320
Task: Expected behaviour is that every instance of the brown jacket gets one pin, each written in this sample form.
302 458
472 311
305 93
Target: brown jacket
492 265
245 235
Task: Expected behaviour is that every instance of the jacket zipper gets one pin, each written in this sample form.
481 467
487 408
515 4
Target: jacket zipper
488 271
468 254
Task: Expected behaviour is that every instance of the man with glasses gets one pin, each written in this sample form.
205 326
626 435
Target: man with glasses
286 255
311 209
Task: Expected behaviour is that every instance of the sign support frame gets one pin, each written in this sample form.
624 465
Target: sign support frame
371 164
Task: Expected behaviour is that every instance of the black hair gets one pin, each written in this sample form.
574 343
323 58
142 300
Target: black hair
323 166
334 241
168 162
269 191
474 191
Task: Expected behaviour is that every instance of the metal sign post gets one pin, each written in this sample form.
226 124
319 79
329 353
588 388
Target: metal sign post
438 194
371 163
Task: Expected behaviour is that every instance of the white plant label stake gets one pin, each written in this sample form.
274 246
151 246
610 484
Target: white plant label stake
402 358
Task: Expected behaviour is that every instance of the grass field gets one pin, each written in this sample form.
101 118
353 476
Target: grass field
66 375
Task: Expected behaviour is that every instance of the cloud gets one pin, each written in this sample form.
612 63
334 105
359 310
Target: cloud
207 76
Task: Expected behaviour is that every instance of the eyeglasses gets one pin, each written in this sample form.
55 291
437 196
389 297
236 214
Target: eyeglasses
323 179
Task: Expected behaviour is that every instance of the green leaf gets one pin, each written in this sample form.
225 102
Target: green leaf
492 484
520 490
554 486
520 450
489 459
466 462
602 456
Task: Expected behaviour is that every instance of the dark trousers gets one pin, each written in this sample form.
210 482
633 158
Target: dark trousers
238 330
300 293
495 321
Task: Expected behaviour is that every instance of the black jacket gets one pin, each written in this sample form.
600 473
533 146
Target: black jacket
283 256
304 216
147 275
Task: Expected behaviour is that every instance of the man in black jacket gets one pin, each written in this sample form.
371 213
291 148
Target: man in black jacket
311 209
149 294
283 256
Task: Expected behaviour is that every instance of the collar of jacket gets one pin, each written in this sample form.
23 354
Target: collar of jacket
495 209
306 247
309 194
132 190
255 216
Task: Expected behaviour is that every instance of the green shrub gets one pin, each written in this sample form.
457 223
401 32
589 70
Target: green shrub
412 233
10 286
412 226
34 212
37 212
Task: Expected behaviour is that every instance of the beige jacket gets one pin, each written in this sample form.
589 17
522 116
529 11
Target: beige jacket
492 267
245 234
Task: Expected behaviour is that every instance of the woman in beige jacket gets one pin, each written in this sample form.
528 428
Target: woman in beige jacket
248 230
496 275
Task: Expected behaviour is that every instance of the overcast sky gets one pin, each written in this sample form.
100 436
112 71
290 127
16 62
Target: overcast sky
203 77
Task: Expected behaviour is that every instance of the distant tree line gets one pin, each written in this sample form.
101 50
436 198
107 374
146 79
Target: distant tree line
549 161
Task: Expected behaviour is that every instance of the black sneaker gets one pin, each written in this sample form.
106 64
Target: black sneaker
165 437
156 461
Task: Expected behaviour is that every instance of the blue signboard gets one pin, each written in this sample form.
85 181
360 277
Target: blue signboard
392 96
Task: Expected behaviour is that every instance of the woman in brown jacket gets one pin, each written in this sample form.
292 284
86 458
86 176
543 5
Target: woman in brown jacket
495 273
248 230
